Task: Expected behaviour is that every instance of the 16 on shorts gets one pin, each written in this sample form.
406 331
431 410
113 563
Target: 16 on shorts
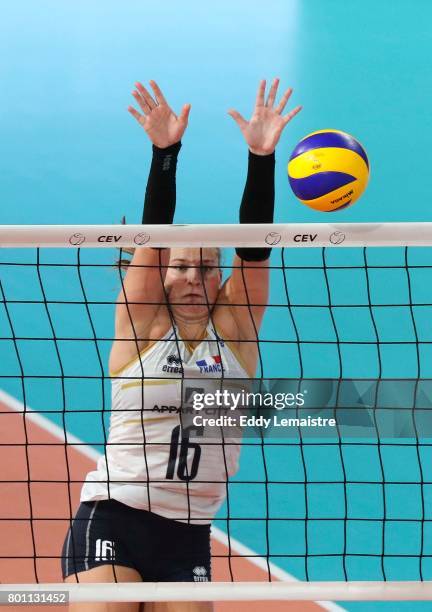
159 549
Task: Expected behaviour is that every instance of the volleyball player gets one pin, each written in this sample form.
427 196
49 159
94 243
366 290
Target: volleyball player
145 511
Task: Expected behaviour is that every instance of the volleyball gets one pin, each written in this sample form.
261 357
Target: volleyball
328 170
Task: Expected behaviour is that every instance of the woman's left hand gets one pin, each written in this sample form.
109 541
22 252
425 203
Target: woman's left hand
265 127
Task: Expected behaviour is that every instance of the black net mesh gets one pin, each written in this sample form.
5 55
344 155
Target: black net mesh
351 506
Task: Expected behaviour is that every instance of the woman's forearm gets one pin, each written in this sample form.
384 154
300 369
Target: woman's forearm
257 205
160 195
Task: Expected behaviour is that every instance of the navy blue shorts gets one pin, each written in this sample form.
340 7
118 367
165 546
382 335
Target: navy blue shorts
160 549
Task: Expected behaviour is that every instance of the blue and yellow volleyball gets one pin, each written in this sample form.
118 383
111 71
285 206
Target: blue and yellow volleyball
328 170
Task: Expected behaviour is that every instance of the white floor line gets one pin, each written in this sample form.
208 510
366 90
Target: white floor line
217 533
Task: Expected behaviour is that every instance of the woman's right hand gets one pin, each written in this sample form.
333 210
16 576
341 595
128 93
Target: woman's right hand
163 126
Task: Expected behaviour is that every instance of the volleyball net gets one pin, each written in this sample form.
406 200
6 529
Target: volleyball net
341 493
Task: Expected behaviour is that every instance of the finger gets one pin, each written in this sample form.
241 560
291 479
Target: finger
287 118
287 95
272 93
184 114
135 113
241 121
141 102
260 94
145 94
158 93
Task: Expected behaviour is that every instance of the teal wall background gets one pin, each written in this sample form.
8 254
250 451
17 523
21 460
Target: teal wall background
71 154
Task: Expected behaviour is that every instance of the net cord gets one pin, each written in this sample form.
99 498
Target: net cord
257 235
237 591
227 235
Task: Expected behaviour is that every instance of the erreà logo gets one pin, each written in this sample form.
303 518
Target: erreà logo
174 364
200 574
173 359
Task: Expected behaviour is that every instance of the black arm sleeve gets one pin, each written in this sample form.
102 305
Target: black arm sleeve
160 195
257 204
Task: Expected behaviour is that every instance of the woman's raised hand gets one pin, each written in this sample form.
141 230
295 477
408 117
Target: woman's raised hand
265 127
162 125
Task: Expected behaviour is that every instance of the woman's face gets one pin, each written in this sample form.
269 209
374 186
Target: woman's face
193 280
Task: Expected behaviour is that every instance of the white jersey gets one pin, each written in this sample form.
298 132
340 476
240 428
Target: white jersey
187 484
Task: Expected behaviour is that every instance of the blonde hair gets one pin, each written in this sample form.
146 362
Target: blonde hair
123 263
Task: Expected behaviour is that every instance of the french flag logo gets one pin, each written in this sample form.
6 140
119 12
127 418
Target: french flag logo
202 362
214 364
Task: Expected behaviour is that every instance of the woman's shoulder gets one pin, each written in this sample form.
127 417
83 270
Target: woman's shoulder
125 351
